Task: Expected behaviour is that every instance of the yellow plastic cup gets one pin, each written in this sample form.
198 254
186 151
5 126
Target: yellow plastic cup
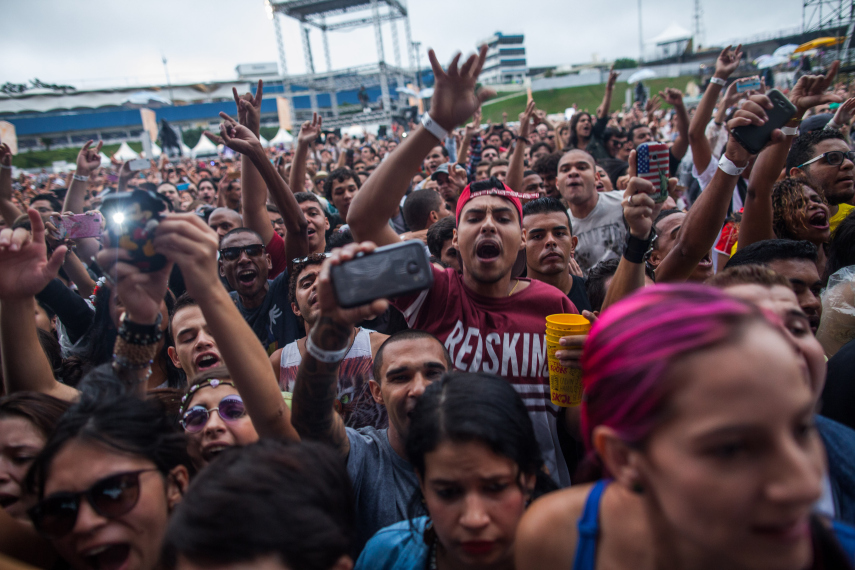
565 384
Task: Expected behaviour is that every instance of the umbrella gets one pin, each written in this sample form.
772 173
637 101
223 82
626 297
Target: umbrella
772 61
140 99
423 94
818 43
641 75
787 49
761 58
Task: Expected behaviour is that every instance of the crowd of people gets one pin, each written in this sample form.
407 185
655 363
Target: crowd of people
194 395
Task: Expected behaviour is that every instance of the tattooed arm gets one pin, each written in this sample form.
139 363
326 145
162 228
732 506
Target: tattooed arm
313 414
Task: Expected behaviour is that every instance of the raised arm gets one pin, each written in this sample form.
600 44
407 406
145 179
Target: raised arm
240 139
603 109
516 168
314 414
454 100
639 211
25 269
707 215
468 132
7 209
186 240
674 97
308 134
757 217
725 65
88 161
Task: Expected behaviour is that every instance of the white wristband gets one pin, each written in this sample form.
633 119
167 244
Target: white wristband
832 125
434 128
328 356
729 167
791 131
718 81
81 178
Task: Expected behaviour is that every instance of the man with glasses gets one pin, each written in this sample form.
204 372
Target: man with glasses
824 159
263 303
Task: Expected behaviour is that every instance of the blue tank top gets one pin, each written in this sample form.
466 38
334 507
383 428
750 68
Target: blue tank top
589 530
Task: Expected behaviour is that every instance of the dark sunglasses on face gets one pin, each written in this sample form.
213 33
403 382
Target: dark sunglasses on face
230 409
832 157
111 497
232 253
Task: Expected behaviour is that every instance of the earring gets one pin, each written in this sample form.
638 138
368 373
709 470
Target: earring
637 488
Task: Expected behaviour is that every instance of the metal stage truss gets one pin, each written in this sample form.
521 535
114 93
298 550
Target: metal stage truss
336 15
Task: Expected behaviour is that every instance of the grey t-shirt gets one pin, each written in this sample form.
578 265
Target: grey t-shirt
602 234
383 482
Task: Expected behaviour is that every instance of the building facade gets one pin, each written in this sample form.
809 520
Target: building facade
506 61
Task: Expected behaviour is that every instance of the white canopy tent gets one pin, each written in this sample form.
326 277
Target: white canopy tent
673 33
105 160
203 148
125 153
282 137
264 142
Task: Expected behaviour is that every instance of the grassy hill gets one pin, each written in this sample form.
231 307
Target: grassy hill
587 97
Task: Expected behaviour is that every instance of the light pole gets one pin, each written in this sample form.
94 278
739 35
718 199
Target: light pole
168 84
640 41
416 47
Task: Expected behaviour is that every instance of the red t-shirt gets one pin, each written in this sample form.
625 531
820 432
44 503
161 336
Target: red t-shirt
276 249
503 336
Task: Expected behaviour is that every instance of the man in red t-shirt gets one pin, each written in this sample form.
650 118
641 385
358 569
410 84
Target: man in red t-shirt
488 320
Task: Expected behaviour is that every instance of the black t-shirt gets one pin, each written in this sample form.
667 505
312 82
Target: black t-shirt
838 397
579 294
273 322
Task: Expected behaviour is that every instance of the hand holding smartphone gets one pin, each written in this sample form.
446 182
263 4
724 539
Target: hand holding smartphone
653 165
132 220
78 226
755 137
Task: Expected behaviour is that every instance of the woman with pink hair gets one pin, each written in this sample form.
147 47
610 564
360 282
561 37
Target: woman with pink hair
698 421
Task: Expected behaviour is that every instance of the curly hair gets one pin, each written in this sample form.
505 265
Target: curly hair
787 199
297 268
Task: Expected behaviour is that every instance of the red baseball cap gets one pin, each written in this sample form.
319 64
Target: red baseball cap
491 187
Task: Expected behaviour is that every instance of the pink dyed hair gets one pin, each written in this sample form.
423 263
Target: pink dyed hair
627 355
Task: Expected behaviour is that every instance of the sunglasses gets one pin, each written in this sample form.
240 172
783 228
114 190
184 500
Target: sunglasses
231 409
111 497
832 157
297 260
232 253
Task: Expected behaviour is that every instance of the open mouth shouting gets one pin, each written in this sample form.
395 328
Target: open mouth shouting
207 360
107 556
819 220
488 250
247 276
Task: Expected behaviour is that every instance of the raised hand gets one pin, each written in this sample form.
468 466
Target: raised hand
140 293
475 125
310 130
88 160
752 112
639 208
728 61
844 113
24 267
731 96
327 304
238 137
454 98
186 240
216 139
613 75
5 155
249 108
525 119
673 97
812 90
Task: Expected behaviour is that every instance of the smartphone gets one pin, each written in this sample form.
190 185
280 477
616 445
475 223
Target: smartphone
132 219
139 164
78 226
653 165
233 175
755 137
748 84
182 187
390 271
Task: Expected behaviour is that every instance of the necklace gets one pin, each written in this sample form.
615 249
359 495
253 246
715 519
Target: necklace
515 288
432 557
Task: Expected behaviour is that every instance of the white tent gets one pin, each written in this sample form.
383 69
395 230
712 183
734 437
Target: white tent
264 142
155 150
185 150
673 33
203 148
105 160
282 137
125 153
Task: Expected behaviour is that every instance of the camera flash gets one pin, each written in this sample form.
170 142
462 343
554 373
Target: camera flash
118 217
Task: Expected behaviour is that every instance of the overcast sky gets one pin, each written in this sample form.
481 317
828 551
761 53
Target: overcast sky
119 42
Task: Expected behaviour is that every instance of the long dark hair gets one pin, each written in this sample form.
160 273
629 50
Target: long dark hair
106 415
574 138
39 409
464 407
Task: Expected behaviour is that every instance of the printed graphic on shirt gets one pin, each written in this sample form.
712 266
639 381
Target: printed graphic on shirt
354 401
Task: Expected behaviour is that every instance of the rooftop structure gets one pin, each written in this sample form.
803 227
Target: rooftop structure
506 61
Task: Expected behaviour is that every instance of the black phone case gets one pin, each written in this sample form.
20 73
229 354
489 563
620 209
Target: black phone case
390 271
755 137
